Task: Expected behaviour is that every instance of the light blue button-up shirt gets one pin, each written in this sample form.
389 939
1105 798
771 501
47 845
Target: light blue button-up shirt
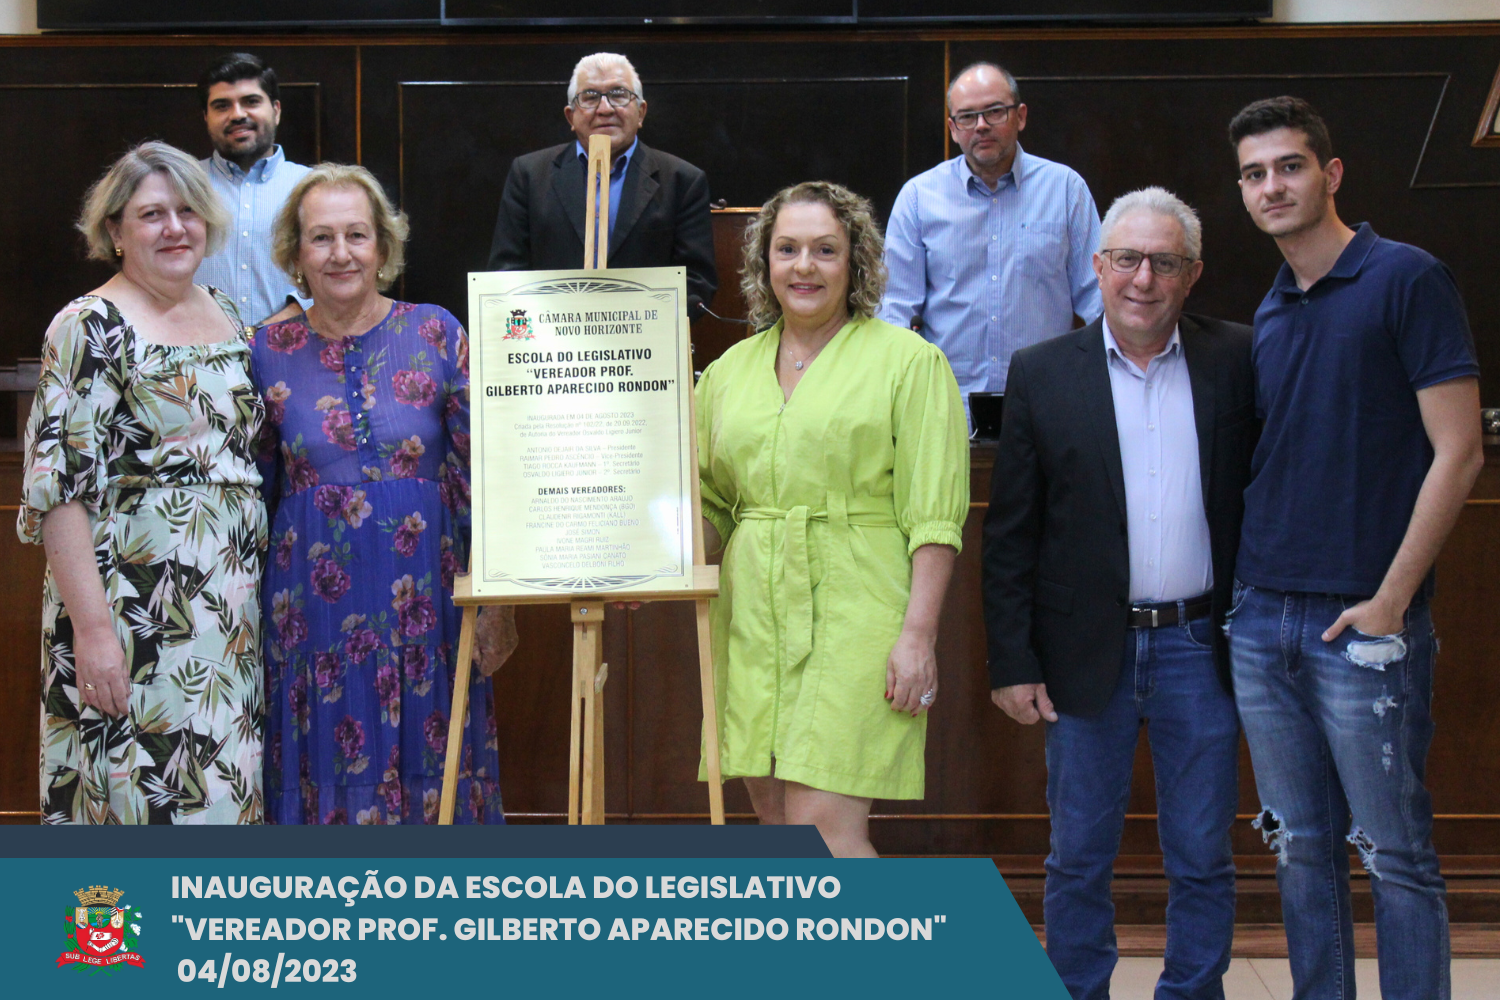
617 169
242 269
1170 555
990 272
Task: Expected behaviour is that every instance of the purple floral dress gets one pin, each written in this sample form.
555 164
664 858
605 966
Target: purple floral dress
366 459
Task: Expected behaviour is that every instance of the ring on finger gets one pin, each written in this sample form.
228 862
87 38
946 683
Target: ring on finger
88 687
929 697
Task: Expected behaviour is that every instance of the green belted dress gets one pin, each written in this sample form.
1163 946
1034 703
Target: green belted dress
821 500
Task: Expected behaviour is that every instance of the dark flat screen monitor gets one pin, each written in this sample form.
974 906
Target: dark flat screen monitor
161 15
876 11
653 12
986 409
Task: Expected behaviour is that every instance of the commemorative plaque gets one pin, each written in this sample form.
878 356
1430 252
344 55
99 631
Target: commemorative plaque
585 473
581 407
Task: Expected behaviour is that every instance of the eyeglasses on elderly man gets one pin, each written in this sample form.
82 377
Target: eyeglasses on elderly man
1166 265
618 98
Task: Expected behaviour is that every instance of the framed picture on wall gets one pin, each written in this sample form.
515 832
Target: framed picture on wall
1488 131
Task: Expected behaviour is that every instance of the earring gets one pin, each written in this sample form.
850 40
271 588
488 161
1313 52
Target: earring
298 277
119 252
380 274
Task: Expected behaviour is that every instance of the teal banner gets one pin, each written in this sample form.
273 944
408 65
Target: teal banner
406 926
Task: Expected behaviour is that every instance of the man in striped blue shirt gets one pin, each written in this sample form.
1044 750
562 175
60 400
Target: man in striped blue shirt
252 176
990 251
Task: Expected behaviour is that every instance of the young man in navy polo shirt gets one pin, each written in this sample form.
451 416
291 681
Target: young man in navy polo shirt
1368 386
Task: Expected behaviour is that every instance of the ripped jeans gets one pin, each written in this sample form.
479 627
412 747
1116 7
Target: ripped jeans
1339 733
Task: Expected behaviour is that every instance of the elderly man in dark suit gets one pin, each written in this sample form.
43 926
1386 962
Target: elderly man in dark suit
1109 554
658 204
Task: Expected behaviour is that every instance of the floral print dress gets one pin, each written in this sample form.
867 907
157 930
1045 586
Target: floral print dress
158 444
366 454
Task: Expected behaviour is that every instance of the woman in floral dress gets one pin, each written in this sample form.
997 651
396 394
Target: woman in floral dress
141 482
367 444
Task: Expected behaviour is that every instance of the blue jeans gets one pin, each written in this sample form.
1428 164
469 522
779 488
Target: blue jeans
1339 733
1168 683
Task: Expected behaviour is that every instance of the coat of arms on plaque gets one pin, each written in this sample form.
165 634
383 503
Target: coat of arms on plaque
518 327
101 931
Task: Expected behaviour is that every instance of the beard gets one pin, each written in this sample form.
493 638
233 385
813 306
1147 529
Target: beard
264 141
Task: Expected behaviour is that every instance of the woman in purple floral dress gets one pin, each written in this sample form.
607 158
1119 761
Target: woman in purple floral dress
367 442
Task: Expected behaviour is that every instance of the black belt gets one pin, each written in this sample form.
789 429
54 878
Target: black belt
1157 615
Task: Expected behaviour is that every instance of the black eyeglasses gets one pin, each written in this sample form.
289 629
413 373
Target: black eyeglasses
1164 265
995 114
619 98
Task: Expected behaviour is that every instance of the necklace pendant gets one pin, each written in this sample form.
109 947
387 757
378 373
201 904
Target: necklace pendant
797 365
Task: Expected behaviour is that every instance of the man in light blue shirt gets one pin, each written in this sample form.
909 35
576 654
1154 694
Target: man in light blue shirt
252 176
992 250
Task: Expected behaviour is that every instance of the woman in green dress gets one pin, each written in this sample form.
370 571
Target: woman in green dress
141 483
833 453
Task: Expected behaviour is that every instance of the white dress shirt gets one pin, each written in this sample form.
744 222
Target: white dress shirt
1170 555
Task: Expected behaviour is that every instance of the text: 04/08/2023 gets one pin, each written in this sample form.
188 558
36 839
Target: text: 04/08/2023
286 970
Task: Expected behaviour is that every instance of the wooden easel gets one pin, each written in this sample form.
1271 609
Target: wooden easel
586 757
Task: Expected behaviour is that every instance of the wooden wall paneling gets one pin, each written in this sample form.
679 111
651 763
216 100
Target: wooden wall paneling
442 127
457 141
1464 763
668 712
1240 261
20 664
41 265
986 775
532 713
714 334
1131 112
438 119
77 110
652 715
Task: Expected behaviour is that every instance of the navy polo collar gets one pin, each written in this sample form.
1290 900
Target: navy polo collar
1346 267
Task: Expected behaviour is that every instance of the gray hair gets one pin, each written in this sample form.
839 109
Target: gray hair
1010 81
1162 202
106 198
391 228
601 62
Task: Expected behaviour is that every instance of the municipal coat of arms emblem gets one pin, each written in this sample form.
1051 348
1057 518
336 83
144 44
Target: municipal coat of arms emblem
102 932
518 327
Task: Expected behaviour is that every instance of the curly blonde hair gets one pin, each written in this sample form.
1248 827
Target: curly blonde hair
866 250
391 228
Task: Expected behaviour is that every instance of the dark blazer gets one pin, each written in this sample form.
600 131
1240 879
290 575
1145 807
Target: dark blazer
1056 552
662 221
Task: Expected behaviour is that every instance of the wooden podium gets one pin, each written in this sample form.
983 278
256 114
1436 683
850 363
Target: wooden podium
586 757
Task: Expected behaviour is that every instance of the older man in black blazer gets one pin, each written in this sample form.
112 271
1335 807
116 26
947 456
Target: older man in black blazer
1108 560
658 207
